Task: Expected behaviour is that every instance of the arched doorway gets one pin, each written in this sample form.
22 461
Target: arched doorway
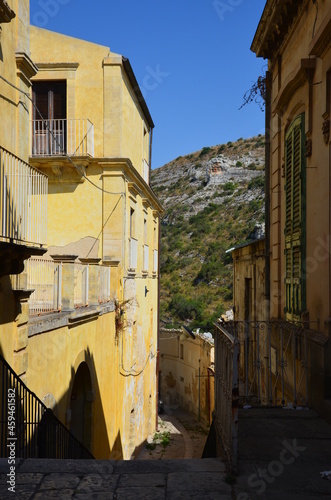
81 406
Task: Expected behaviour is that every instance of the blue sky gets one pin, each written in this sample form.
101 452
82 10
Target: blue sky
191 58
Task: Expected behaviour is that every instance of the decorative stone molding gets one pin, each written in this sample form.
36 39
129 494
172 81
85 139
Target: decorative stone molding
89 260
134 189
146 203
308 147
326 131
296 79
6 13
277 22
26 69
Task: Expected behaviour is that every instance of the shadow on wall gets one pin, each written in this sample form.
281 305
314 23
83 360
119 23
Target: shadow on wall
80 408
84 409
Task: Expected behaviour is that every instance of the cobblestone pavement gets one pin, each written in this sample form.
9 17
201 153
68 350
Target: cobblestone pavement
121 480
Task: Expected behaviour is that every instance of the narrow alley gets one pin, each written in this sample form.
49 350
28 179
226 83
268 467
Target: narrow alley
180 436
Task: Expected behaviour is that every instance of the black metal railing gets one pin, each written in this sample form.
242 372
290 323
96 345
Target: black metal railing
226 394
273 362
28 429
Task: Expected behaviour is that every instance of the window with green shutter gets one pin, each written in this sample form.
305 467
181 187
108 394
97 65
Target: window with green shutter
295 198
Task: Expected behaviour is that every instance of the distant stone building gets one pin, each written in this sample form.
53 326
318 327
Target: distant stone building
249 281
187 372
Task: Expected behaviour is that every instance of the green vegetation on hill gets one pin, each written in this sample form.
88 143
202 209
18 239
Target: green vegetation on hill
202 220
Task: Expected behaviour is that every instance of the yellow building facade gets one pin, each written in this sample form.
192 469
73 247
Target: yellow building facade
91 301
22 188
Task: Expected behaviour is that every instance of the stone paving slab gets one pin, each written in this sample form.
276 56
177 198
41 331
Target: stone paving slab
193 481
142 493
116 480
154 466
70 466
281 454
191 495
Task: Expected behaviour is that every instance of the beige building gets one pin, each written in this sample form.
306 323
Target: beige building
187 372
295 38
249 281
86 340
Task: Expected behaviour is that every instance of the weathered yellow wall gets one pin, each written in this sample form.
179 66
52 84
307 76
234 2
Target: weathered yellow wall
14 105
14 137
124 356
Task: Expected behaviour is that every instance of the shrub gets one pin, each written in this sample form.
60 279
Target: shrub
185 308
257 182
229 187
239 164
204 151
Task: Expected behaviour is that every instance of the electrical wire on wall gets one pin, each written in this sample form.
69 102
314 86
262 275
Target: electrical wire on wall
45 123
55 138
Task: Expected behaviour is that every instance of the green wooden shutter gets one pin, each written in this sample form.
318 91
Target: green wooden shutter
295 219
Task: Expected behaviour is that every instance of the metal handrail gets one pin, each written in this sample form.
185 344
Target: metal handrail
28 429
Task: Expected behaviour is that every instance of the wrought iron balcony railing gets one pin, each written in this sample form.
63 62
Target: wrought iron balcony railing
23 201
62 137
44 276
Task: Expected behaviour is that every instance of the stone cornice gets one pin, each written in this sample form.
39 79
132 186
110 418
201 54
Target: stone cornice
6 13
131 175
274 26
26 69
57 66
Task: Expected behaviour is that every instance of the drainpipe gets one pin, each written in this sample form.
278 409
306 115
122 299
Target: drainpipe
208 395
150 153
158 324
199 393
267 193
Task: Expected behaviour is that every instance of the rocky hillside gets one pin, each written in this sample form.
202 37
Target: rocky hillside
213 200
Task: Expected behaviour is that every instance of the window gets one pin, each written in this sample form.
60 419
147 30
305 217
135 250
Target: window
295 199
145 232
181 352
49 113
132 223
248 299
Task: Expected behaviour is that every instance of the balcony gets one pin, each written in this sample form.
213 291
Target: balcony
90 284
23 212
23 201
62 137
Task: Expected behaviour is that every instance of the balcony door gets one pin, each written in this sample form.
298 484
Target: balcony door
49 135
